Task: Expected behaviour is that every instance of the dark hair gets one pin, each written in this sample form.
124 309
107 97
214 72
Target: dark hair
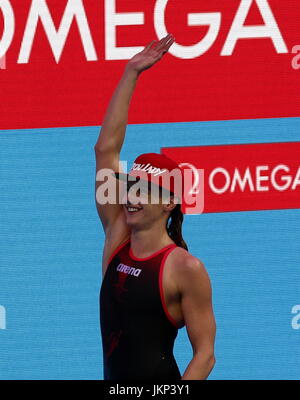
174 226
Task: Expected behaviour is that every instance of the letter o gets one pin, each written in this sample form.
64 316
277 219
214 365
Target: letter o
9 26
211 180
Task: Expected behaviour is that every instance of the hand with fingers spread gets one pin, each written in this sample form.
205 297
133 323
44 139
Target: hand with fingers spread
151 54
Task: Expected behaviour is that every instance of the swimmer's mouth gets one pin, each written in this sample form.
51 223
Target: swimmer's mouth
132 209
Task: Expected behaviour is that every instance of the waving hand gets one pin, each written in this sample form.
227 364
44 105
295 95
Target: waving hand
151 54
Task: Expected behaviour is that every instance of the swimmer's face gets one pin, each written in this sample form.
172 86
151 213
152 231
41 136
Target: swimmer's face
144 204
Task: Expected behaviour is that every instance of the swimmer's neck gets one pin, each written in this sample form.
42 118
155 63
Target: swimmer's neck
145 242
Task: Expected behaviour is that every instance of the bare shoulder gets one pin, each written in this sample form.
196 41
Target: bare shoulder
183 260
187 268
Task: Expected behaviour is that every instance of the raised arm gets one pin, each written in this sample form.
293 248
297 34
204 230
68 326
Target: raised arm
112 133
110 141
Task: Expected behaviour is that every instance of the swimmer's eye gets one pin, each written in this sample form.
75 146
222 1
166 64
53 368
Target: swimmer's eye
142 191
139 191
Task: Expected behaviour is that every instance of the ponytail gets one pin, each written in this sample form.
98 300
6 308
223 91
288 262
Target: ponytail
174 226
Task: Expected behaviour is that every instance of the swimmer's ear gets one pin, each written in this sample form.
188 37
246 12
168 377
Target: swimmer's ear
170 201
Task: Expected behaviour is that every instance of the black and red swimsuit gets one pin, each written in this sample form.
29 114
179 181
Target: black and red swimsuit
137 331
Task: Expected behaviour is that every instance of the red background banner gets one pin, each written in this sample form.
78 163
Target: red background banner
254 82
245 177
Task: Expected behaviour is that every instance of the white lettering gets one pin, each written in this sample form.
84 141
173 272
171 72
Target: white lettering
9 26
296 180
193 188
39 11
148 168
213 20
240 31
2 317
113 19
145 167
57 39
296 318
128 270
260 178
287 179
242 182
296 59
211 180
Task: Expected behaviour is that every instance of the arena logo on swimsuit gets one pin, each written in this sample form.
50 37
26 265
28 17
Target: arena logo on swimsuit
75 9
128 270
